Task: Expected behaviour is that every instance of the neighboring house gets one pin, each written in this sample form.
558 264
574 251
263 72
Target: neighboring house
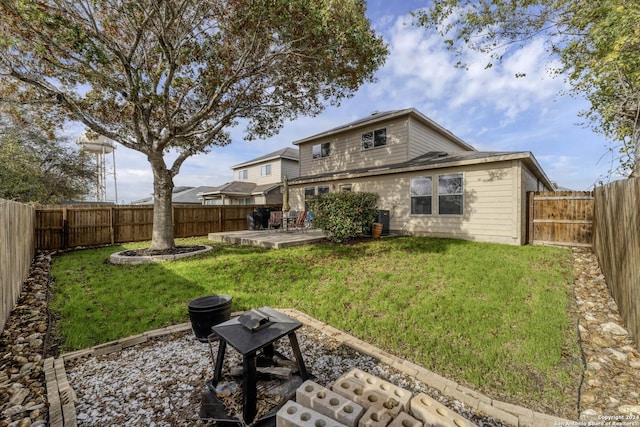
180 196
431 182
256 182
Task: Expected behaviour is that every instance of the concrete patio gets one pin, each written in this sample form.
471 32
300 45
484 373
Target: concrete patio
275 239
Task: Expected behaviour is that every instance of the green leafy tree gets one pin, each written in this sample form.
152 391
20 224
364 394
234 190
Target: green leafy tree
35 168
173 76
597 43
344 215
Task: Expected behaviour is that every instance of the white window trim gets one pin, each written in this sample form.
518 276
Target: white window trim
429 195
462 175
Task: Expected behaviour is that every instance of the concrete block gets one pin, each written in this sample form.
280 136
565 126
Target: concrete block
329 403
69 415
499 414
108 348
293 414
436 381
432 412
372 383
405 420
73 355
514 409
133 340
375 417
470 400
354 390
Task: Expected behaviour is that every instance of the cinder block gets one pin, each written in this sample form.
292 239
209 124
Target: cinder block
329 403
293 414
354 390
405 420
432 412
373 383
375 417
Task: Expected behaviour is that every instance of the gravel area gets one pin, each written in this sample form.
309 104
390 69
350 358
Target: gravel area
162 382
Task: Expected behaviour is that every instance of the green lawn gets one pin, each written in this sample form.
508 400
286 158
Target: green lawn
496 318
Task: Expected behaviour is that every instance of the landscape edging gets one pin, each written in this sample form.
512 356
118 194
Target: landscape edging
63 399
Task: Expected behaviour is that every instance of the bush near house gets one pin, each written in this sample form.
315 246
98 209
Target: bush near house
344 215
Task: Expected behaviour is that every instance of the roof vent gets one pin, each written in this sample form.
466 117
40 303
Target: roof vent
373 113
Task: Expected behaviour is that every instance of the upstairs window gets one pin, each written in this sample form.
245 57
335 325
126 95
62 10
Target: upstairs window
450 194
321 150
376 138
243 175
265 170
421 191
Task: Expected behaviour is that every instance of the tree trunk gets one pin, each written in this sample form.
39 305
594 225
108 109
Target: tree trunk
635 171
162 237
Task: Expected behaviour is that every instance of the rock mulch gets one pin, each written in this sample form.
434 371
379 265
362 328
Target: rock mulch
23 399
610 388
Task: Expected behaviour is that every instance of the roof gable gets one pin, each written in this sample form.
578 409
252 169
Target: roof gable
284 153
376 117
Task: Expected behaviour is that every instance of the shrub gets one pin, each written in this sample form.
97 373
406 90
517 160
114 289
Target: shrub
344 215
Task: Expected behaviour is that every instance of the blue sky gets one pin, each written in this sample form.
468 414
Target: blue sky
490 109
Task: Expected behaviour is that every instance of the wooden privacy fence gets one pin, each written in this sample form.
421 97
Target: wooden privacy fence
17 249
560 218
616 243
70 227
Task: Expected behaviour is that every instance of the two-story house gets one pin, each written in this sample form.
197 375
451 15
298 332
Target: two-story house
257 181
431 182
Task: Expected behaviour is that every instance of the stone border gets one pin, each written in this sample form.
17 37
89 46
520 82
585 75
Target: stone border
62 398
118 258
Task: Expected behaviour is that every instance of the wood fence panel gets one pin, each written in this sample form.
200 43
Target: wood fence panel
617 247
50 228
561 218
192 221
17 248
68 227
133 223
234 218
88 227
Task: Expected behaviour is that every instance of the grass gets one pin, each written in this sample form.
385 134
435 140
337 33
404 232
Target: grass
496 318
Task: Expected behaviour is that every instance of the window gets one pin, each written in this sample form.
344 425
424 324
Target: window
265 170
324 189
376 138
242 175
421 191
321 150
345 187
450 196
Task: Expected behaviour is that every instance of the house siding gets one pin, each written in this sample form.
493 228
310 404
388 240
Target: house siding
492 206
290 168
347 152
424 139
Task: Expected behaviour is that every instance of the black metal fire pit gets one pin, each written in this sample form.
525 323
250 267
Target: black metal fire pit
254 331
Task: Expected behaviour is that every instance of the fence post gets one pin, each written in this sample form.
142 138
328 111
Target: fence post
65 229
530 215
111 226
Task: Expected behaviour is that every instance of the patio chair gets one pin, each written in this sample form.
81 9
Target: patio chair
301 222
275 220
